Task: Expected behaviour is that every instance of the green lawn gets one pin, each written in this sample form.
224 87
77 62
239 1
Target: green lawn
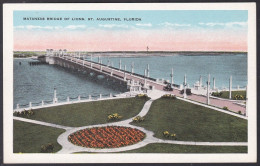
28 138
171 148
83 114
225 94
191 122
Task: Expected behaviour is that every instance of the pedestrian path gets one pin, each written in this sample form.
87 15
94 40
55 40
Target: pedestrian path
41 123
68 147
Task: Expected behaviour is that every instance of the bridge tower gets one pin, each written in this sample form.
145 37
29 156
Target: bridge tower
185 84
230 87
132 68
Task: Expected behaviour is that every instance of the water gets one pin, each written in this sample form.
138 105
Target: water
219 66
36 83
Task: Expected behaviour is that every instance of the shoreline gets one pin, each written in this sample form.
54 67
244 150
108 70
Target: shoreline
153 54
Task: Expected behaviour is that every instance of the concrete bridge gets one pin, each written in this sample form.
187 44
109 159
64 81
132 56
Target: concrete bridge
135 82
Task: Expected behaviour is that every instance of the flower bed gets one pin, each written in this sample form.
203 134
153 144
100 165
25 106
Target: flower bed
106 137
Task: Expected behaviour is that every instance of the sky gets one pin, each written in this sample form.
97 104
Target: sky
160 30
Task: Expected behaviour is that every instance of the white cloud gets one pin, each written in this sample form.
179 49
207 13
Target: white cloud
75 27
30 27
113 25
144 25
167 24
228 24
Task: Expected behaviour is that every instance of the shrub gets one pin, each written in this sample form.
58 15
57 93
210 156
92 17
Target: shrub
166 134
114 116
142 96
138 119
47 148
239 112
216 94
169 96
239 97
24 113
225 108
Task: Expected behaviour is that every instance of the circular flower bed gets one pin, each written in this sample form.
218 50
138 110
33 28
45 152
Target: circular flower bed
106 137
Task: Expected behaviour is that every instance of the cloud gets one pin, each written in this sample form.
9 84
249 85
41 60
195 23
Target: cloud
167 24
113 25
30 27
228 24
144 25
75 27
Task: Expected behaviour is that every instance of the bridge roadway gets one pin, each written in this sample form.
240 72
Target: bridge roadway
120 74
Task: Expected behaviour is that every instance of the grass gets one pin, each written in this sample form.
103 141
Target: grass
28 138
83 114
225 94
171 148
192 122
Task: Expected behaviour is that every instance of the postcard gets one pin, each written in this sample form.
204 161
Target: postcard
129 83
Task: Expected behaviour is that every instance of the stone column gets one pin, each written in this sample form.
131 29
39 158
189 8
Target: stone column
200 81
98 59
100 96
89 97
68 99
208 87
111 72
145 74
237 87
30 104
120 64
17 106
79 97
125 74
132 68
110 95
101 67
42 103
55 100
184 84
230 87
148 71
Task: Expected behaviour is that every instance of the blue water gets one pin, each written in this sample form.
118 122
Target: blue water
36 83
219 66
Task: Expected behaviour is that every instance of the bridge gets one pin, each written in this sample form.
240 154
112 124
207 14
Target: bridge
134 82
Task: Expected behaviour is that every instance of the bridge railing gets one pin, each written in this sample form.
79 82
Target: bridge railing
68 100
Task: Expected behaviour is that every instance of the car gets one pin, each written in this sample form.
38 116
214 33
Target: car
188 91
168 88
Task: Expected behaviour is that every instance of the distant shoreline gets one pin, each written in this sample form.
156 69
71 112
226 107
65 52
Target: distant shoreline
153 53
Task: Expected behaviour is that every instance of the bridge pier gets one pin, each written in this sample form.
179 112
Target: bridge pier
132 68
148 71
120 64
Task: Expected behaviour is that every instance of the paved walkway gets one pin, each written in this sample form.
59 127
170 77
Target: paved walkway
68 147
42 123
